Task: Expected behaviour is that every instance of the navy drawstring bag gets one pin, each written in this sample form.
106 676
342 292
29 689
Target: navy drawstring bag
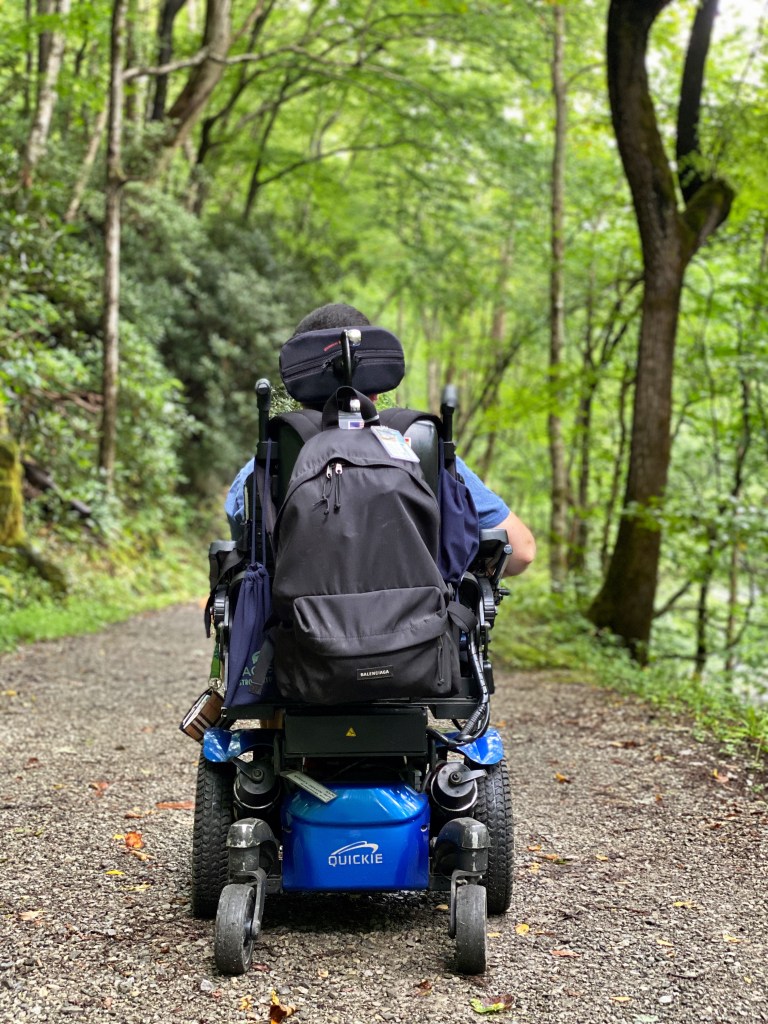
252 612
459 525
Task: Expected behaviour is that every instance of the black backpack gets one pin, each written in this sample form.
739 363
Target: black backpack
362 608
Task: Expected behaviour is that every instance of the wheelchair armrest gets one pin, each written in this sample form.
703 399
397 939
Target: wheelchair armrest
492 554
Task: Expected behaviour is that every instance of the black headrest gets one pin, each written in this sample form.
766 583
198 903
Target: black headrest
311 363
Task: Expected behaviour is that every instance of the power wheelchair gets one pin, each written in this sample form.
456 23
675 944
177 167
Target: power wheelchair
375 796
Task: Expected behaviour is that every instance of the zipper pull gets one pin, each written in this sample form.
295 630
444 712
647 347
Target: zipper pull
325 497
337 489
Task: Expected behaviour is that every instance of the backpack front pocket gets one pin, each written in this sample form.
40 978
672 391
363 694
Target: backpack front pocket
359 647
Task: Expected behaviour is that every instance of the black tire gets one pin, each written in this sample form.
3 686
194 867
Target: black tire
470 929
214 813
494 809
233 938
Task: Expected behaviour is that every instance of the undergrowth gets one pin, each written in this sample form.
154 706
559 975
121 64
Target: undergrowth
105 585
540 630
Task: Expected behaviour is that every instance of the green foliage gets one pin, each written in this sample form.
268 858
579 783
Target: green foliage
104 587
396 156
211 301
537 630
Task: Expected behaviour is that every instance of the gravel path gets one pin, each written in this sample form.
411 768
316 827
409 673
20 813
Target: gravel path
640 865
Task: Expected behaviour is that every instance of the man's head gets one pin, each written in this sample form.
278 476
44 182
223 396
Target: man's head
334 314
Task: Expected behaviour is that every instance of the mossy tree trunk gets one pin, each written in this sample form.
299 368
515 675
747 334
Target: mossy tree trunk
11 501
13 540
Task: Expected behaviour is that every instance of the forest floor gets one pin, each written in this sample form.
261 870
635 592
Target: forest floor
641 870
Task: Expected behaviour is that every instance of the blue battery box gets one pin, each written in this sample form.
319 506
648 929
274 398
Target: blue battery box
369 837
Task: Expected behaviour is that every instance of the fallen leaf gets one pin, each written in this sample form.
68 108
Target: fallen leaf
322 973
134 812
555 858
442 906
100 787
534 867
522 928
134 841
114 871
278 1011
142 887
424 987
139 854
600 856
664 942
498 1004
534 847
10 693
176 805
564 953
731 938
561 778
493 935
30 915
723 780
246 1003
621 999
119 835
688 904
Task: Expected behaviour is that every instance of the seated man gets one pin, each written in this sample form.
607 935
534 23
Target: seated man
493 512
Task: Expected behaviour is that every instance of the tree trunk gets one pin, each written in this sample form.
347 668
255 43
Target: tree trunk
86 166
14 548
11 501
669 239
115 182
166 18
203 79
559 484
37 140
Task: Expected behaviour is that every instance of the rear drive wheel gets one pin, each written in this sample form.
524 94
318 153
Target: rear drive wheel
494 809
470 929
214 813
233 936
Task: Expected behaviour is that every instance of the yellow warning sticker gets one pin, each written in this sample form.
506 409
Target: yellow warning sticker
350 732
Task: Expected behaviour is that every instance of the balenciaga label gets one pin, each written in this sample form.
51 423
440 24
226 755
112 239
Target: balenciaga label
382 672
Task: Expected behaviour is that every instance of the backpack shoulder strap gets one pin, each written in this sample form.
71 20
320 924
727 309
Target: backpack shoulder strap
402 419
306 423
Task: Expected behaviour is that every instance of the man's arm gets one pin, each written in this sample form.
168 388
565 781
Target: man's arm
496 515
523 544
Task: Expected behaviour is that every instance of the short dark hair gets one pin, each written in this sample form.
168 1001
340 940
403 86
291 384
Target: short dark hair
333 314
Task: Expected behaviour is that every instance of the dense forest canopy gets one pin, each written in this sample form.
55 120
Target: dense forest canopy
456 170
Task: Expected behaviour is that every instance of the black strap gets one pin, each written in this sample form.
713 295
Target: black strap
306 422
261 480
402 419
234 558
462 616
342 397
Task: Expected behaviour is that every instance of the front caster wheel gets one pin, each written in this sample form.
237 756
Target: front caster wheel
234 932
470 929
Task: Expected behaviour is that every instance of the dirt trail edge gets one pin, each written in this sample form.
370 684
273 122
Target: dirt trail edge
640 865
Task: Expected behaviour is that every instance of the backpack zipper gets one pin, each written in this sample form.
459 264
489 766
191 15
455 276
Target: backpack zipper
331 484
337 486
325 497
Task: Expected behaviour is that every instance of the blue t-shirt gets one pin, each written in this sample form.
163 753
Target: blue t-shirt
490 508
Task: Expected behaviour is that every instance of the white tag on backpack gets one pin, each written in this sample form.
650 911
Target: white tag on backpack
394 444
